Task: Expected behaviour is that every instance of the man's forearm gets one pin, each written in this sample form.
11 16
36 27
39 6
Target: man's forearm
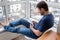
37 32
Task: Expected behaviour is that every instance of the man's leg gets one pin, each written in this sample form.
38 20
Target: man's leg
24 31
20 22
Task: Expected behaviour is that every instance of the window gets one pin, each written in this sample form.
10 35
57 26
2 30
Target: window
23 0
52 0
2 16
32 7
1 12
33 0
16 0
47 0
58 0
33 13
56 13
0 0
11 0
17 11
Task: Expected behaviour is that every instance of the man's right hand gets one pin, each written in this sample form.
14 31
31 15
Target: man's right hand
34 22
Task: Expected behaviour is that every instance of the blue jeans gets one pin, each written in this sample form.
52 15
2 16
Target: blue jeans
25 31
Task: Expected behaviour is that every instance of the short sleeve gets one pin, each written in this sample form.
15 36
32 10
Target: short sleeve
43 26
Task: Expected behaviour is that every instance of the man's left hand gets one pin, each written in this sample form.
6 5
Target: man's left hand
31 26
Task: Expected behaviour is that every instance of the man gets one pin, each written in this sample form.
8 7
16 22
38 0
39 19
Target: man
34 30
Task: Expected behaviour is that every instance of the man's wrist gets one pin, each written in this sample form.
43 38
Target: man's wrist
32 28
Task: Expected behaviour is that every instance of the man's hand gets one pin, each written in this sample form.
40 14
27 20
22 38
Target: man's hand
31 26
34 22
37 32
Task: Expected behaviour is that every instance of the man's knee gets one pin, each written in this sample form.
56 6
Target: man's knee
22 19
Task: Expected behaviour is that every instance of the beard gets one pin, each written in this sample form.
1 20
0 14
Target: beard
42 13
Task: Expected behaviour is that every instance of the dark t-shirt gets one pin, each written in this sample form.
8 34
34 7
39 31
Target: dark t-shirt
45 23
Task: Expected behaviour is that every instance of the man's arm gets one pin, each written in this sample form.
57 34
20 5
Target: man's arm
37 32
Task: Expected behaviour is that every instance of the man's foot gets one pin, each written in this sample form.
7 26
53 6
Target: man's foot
1 27
1 24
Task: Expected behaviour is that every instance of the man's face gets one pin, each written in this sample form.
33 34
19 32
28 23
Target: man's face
41 11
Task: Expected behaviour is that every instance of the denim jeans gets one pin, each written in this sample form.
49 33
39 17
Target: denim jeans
25 31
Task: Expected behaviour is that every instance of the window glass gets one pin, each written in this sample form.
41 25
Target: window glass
18 11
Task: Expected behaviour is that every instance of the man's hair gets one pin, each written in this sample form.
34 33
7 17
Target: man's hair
43 5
